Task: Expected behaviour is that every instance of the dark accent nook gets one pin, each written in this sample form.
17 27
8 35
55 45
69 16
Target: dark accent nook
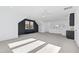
27 26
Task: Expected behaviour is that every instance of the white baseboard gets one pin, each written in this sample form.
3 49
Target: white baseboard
9 38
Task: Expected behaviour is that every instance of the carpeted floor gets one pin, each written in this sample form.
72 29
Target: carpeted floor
67 45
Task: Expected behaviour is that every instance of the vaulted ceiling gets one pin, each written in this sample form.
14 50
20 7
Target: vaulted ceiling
44 13
41 13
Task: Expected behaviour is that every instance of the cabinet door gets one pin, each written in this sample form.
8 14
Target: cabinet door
72 19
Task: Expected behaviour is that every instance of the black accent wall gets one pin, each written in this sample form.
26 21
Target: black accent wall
22 30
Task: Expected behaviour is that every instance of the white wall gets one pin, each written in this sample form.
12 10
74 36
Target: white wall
59 26
51 26
8 25
77 26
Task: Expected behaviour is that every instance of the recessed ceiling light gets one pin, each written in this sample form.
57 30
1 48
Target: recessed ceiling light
57 25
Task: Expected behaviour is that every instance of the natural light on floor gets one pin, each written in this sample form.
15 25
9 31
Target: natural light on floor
20 48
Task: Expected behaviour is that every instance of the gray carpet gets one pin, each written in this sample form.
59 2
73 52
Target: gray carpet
67 45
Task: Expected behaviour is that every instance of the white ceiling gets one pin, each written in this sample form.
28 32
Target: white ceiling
44 13
41 12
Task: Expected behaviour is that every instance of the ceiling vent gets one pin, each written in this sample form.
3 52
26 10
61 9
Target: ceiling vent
67 8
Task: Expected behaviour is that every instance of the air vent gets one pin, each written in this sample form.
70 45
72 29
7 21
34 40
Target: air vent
67 8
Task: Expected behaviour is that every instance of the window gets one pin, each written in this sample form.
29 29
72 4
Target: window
29 25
